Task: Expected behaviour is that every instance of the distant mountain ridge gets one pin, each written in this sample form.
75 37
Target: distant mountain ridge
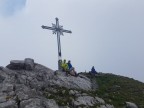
26 84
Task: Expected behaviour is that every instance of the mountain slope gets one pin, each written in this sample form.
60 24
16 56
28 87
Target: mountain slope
25 84
117 90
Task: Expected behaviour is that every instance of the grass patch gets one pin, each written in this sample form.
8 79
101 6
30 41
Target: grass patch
117 90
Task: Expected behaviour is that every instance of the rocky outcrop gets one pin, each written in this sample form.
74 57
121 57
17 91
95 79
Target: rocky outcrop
27 64
80 82
25 84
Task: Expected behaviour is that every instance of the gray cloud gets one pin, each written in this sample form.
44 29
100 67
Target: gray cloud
10 7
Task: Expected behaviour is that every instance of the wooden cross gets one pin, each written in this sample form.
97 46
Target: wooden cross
57 29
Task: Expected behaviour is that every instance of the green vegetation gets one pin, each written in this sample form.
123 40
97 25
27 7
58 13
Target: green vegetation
117 90
60 95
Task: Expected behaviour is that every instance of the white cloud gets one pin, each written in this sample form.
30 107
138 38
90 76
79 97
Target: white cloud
10 7
106 34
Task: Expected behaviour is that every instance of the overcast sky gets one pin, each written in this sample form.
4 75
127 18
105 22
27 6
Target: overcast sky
107 34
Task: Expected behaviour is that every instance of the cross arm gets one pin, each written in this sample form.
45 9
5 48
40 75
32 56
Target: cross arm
66 31
46 27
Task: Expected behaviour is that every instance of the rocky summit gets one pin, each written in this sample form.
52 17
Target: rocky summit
26 84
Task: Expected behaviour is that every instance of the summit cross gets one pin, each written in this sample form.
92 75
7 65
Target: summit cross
57 29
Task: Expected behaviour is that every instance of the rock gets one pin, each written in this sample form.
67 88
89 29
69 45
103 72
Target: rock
100 100
1 68
50 104
64 107
102 106
63 92
16 65
84 94
29 64
3 98
109 106
71 92
38 103
106 106
89 101
131 105
82 76
6 87
25 84
72 82
84 100
2 78
8 104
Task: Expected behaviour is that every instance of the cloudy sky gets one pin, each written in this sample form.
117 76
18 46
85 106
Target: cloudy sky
107 34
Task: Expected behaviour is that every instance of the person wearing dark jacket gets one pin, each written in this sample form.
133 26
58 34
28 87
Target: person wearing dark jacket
69 65
93 71
71 69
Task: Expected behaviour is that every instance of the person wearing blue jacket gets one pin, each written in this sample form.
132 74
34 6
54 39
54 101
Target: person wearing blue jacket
93 71
70 65
71 69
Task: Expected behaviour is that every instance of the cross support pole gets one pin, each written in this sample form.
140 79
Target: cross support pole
57 29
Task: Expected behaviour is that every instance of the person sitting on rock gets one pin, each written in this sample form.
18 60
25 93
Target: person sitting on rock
64 66
71 69
93 71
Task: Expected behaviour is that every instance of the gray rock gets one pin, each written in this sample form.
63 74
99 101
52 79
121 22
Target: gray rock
31 103
29 64
71 92
3 98
131 105
8 104
72 82
38 103
1 67
109 106
102 106
2 78
99 100
106 106
16 65
50 104
64 107
84 94
63 92
84 100
6 87
24 85
90 101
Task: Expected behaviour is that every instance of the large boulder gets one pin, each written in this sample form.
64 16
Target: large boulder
27 64
87 101
71 82
16 64
131 105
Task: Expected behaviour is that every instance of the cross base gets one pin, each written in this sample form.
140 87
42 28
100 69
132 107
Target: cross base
59 65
